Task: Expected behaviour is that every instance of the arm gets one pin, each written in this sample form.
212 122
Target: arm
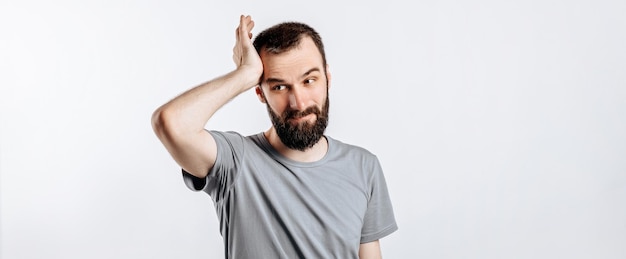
179 123
370 250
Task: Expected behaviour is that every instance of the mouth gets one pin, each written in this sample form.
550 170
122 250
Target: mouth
299 119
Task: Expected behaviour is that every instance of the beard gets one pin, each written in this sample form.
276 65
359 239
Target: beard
303 135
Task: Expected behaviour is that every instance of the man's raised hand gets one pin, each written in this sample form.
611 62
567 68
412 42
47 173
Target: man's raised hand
244 54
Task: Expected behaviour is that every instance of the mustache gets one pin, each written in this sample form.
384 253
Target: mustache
294 114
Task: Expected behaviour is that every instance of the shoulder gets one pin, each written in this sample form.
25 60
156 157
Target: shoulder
226 134
343 149
231 136
231 141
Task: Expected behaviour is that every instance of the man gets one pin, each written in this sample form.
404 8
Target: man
291 191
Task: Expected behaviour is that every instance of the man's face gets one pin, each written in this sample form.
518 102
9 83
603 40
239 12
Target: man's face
295 90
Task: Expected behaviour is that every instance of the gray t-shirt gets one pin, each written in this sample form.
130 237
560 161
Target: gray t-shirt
272 207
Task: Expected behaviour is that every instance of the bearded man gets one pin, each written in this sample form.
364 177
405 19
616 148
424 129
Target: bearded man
291 191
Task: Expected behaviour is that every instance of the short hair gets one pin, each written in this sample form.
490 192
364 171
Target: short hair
285 36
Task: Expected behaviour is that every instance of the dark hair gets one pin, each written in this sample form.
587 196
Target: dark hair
285 36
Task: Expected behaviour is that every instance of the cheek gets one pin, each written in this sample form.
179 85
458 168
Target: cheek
321 97
278 105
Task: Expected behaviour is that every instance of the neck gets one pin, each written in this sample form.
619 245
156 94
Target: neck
312 154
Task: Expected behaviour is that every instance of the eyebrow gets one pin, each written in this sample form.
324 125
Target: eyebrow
278 80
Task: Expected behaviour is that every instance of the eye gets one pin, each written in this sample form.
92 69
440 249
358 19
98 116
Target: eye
309 81
279 87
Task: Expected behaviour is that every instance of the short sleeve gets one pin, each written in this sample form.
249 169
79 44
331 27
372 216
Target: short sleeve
379 220
230 150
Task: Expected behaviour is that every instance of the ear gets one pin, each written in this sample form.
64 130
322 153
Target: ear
260 94
328 75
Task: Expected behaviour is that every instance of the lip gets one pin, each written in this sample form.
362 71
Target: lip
303 118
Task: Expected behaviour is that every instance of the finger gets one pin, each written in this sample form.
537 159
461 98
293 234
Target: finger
243 27
250 24
244 22
250 27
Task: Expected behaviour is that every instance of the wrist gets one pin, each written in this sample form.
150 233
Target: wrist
248 75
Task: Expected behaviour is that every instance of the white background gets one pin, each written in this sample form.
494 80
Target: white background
501 125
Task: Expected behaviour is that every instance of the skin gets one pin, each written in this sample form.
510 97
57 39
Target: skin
295 79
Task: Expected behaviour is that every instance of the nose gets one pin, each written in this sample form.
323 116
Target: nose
297 99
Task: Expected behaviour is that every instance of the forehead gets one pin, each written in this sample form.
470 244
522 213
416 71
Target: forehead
292 63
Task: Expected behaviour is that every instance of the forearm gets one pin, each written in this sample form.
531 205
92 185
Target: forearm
190 111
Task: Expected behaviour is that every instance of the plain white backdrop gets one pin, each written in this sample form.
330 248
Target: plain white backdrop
501 125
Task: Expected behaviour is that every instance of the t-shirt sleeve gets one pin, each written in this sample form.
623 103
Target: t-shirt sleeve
379 220
224 171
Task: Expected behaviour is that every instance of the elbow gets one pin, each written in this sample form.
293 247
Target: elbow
155 120
161 122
